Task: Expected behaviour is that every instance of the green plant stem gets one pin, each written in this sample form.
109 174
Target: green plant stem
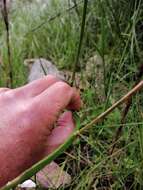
41 164
80 41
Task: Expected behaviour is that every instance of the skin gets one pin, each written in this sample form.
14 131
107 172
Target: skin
27 118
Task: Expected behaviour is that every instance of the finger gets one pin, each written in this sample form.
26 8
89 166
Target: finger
51 102
75 103
36 87
65 127
4 90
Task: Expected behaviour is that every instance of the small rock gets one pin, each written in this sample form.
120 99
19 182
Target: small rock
80 80
94 72
28 185
95 66
38 68
53 176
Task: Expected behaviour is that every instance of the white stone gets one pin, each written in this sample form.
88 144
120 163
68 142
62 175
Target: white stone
27 184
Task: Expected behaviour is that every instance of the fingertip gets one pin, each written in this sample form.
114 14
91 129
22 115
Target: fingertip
75 103
4 90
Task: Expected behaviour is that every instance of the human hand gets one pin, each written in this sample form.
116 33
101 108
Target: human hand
27 117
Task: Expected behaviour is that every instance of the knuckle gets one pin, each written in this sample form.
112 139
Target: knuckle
9 94
51 77
2 90
63 86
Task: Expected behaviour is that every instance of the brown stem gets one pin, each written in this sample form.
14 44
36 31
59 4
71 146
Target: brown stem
137 78
6 21
119 130
125 98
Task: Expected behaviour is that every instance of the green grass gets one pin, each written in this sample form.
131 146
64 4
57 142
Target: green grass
113 29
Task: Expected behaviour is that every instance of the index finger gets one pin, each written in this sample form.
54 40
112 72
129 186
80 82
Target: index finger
56 98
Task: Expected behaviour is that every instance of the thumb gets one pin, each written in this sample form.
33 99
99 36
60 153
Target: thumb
65 127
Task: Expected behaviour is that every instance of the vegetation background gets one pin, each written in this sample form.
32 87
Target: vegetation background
113 31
